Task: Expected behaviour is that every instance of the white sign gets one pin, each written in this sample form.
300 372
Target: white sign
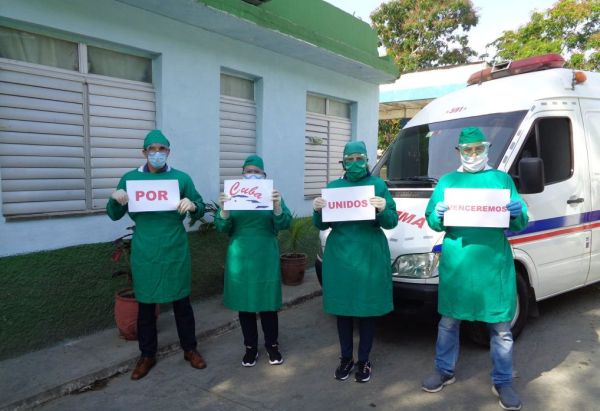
348 203
476 207
152 195
249 194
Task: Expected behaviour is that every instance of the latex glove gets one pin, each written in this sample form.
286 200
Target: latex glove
378 203
185 205
440 209
222 198
120 196
515 208
276 202
319 204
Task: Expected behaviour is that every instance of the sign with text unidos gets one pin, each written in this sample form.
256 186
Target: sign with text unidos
348 203
250 194
477 207
152 195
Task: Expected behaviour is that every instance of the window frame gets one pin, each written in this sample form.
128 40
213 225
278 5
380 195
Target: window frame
536 135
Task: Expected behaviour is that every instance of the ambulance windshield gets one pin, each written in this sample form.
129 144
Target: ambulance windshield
422 154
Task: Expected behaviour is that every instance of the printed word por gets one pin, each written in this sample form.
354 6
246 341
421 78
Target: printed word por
235 189
347 204
151 195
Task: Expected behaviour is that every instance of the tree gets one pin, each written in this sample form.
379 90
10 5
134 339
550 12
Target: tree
421 34
570 28
388 130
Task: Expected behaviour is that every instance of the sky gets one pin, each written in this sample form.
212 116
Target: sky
495 16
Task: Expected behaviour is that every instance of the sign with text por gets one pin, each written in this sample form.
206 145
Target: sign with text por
152 195
476 207
348 203
249 194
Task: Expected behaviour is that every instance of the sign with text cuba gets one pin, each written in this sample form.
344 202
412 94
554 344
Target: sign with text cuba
476 207
348 203
249 194
152 195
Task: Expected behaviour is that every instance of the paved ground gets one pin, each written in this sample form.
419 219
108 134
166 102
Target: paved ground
557 360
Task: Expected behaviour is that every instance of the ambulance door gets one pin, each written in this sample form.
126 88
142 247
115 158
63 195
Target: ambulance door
590 110
556 238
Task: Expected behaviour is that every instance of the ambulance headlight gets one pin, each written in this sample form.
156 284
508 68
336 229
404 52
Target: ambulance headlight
416 265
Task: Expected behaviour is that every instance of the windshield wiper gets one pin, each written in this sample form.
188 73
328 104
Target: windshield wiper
420 178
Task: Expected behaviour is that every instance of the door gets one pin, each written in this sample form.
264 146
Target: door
557 237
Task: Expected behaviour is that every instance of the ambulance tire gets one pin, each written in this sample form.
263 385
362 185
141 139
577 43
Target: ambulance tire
319 271
477 331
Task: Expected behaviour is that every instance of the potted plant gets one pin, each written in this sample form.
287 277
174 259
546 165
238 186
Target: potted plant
126 306
293 262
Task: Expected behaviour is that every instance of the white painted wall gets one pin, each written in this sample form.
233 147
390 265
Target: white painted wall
186 76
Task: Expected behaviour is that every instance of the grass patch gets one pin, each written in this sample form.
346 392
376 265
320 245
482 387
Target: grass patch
51 296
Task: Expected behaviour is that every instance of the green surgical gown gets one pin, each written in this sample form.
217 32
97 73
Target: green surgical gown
357 268
477 272
160 255
252 268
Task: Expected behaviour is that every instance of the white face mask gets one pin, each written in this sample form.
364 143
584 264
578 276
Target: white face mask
473 164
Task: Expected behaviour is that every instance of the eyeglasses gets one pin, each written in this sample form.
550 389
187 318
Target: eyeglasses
157 149
469 150
354 157
252 171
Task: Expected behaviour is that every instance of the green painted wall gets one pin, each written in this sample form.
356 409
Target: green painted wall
315 22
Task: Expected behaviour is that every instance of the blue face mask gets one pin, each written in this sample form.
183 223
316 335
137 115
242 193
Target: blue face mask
157 159
252 176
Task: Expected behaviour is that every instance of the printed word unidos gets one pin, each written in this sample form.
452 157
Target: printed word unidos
235 189
347 204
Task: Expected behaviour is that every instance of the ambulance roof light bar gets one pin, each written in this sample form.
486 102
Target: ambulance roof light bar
511 68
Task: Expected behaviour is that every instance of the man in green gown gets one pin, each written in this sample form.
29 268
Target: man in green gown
252 273
476 274
160 256
357 268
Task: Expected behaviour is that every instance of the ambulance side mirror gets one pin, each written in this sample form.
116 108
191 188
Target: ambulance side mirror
531 175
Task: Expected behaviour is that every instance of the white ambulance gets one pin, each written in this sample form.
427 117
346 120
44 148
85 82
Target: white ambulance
543 122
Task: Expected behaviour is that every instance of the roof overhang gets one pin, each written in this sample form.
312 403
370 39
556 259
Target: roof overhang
221 22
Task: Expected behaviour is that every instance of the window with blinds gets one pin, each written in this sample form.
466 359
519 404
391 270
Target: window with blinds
328 129
237 125
66 137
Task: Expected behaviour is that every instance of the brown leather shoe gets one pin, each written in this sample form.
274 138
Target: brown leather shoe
142 367
195 359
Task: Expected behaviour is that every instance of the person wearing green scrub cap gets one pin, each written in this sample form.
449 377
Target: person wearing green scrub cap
252 272
357 274
477 279
160 256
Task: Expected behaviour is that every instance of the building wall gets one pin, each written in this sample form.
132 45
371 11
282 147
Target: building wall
187 70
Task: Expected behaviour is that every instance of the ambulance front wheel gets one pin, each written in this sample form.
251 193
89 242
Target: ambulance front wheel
478 332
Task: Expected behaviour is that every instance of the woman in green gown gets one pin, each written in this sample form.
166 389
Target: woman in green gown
252 272
357 272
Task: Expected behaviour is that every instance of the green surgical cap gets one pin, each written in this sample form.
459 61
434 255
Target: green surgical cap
355 147
469 135
254 160
155 137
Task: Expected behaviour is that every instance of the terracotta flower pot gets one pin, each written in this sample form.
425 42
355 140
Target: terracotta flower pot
126 313
292 268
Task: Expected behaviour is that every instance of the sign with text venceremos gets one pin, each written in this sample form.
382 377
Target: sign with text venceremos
152 195
249 194
476 207
348 203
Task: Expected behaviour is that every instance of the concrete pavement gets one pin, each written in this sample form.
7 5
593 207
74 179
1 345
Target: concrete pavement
556 359
76 365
